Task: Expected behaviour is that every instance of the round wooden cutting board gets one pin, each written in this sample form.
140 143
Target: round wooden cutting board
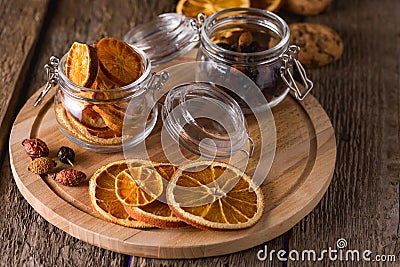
300 175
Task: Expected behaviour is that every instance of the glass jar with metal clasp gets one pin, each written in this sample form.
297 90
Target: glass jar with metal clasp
95 119
253 41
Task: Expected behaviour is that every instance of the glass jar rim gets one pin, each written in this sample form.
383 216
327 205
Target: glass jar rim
175 115
128 87
280 47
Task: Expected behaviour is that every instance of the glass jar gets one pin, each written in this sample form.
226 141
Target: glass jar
204 120
255 42
104 120
264 53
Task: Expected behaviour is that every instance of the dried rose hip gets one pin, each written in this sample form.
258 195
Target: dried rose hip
35 148
41 165
66 155
69 177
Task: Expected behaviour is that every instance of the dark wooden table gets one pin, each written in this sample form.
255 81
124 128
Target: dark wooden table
360 93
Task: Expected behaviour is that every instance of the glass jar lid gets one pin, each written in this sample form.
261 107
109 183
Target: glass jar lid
164 38
204 120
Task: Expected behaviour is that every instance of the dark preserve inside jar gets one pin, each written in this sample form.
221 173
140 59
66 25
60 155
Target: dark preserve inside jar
251 41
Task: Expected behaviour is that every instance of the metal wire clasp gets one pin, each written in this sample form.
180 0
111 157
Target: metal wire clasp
251 149
196 26
157 81
290 60
196 23
52 77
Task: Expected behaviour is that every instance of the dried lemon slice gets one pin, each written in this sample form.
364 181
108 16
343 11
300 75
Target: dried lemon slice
103 198
138 186
191 8
215 195
158 213
82 64
120 62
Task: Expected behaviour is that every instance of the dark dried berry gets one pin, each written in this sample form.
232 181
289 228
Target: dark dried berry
226 46
66 155
247 49
35 148
69 177
258 47
252 73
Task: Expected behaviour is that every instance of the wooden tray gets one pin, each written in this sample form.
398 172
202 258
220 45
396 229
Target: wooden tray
301 172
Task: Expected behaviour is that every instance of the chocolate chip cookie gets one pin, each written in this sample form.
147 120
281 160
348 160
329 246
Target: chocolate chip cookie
319 44
306 7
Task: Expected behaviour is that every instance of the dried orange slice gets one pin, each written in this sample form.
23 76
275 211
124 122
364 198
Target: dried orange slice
120 62
104 83
91 118
191 8
103 198
215 195
270 5
90 131
82 64
98 136
104 86
138 186
158 213
112 118
94 135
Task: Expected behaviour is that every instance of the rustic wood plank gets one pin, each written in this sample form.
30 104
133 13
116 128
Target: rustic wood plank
20 26
242 258
361 96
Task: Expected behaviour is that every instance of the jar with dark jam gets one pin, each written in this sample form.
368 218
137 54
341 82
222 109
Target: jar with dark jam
255 42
